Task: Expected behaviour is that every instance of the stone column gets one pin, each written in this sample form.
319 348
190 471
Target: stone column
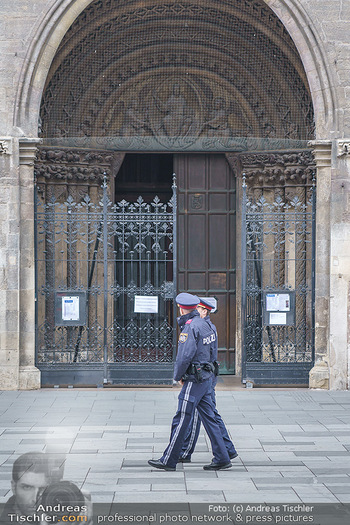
9 227
339 337
17 332
29 375
319 374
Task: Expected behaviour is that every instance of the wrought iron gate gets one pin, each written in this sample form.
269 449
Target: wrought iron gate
278 262
109 254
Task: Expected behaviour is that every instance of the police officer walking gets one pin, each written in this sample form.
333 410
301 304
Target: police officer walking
204 308
194 370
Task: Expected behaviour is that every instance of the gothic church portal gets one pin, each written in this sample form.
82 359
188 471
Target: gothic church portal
123 95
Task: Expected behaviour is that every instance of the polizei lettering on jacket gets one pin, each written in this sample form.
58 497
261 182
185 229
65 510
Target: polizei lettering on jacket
210 339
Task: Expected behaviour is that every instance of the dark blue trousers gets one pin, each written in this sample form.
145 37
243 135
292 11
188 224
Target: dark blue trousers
194 428
195 396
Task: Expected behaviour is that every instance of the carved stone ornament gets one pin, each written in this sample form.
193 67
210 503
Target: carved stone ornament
197 201
296 168
74 165
343 148
5 147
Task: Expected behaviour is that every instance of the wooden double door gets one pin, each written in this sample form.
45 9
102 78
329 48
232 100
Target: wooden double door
206 232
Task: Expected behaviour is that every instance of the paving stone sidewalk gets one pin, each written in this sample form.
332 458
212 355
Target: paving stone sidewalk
294 445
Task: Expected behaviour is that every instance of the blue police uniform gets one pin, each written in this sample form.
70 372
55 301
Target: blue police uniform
193 364
194 427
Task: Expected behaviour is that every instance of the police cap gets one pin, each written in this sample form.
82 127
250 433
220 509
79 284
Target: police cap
207 303
187 301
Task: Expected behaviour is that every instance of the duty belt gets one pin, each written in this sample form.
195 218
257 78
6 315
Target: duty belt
195 368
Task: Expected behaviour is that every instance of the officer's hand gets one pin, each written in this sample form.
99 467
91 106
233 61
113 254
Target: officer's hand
181 382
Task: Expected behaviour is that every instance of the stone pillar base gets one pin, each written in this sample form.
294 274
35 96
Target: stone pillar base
319 376
29 378
8 377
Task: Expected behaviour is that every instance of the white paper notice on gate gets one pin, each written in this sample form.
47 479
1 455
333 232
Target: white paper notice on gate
278 302
146 304
278 318
70 308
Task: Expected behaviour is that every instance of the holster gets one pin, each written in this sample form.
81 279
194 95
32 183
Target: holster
216 368
208 367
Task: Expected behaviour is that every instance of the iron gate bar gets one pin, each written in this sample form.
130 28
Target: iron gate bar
313 261
36 270
91 273
105 277
244 274
174 190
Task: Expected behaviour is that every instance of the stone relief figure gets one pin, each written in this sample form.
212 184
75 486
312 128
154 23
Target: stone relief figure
85 128
217 124
178 115
269 131
134 122
59 131
292 131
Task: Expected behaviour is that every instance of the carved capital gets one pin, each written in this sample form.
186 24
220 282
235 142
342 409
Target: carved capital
322 150
290 167
234 162
79 166
27 150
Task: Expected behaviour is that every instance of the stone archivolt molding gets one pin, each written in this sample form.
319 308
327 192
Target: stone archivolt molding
253 11
284 18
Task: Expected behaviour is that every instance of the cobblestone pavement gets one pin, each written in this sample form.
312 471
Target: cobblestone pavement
293 445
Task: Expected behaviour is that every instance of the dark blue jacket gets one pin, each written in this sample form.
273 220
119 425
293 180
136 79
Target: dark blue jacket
195 344
214 343
213 346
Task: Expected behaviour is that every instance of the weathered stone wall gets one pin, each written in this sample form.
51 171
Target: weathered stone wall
30 32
